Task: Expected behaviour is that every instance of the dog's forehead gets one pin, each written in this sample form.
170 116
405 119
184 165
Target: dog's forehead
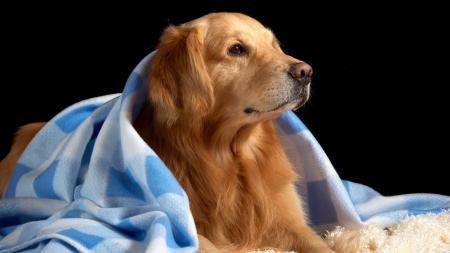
238 23
233 25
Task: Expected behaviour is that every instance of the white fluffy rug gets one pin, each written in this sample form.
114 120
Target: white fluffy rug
428 233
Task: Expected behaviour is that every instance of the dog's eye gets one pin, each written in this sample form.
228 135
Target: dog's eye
236 49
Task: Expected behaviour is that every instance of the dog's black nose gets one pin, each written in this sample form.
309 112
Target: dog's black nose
302 72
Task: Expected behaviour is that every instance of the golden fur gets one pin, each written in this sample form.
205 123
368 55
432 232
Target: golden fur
215 85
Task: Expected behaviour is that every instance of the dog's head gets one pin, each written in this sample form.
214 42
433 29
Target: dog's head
225 64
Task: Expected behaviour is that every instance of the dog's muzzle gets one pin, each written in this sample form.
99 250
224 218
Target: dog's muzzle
293 95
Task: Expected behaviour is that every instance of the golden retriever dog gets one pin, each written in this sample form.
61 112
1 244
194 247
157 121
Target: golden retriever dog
216 84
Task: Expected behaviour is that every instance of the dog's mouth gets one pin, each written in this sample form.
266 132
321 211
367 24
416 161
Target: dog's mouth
289 105
293 103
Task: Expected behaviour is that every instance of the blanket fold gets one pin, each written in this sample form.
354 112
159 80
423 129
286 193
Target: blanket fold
88 182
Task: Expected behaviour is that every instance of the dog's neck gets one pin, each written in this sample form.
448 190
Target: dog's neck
186 146
221 135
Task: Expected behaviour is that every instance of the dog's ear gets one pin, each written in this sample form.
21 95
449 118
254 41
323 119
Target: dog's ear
179 84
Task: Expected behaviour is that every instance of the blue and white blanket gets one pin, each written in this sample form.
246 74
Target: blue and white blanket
88 182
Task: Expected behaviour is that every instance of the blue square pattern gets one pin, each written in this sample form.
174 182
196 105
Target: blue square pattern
88 241
321 208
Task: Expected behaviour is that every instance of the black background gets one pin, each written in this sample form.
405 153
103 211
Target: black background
379 102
